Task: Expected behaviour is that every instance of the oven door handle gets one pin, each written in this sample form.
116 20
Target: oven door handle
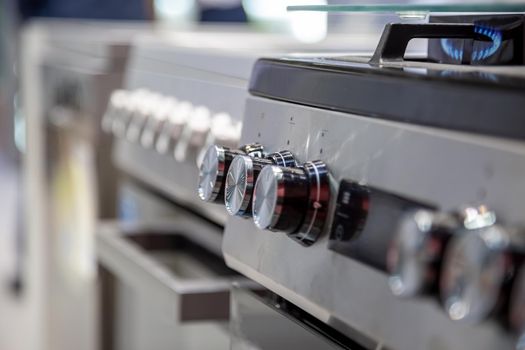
190 299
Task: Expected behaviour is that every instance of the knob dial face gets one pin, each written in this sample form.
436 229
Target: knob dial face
240 182
473 273
213 171
266 193
293 200
280 198
517 303
415 251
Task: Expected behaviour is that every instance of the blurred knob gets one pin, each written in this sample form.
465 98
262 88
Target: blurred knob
283 158
223 130
293 200
477 265
253 149
142 115
200 125
240 180
221 133
213 170
158 118
116 103
172 129
128 111
414 255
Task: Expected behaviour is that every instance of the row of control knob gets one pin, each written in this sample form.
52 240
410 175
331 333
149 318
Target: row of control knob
474 264
168 125
279 194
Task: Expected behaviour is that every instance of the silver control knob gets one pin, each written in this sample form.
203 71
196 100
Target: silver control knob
240 182
255 150
213 170
283 158
293 200
116 103
143 112
475 269
158 119
193 135
125 115
173 128
414 255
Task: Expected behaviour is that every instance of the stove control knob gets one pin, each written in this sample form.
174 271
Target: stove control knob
477 265
157 121
129 108
255 150
293 200
173 128
414 255
222 132
142 115
283 158
240 181
517 303
194 134
116 103
213 170
280 199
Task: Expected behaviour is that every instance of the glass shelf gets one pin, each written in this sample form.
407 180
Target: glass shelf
419 8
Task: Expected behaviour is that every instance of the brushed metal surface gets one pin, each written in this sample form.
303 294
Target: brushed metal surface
448 169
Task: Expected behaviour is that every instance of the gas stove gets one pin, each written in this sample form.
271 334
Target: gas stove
384 197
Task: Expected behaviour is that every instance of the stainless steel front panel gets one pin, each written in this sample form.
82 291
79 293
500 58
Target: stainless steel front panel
256 325
447 169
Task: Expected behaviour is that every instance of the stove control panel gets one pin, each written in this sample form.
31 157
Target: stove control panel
463 258
410 223
272 189
169 126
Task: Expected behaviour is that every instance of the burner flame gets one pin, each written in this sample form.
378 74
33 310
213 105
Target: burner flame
477 55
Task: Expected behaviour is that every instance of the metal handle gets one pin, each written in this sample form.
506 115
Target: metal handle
396 36
204 298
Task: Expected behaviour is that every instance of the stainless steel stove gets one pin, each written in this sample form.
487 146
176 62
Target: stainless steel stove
383 205
165 283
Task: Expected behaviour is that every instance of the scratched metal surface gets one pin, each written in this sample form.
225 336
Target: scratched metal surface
448 169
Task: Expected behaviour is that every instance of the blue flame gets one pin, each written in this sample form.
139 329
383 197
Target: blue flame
479 54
